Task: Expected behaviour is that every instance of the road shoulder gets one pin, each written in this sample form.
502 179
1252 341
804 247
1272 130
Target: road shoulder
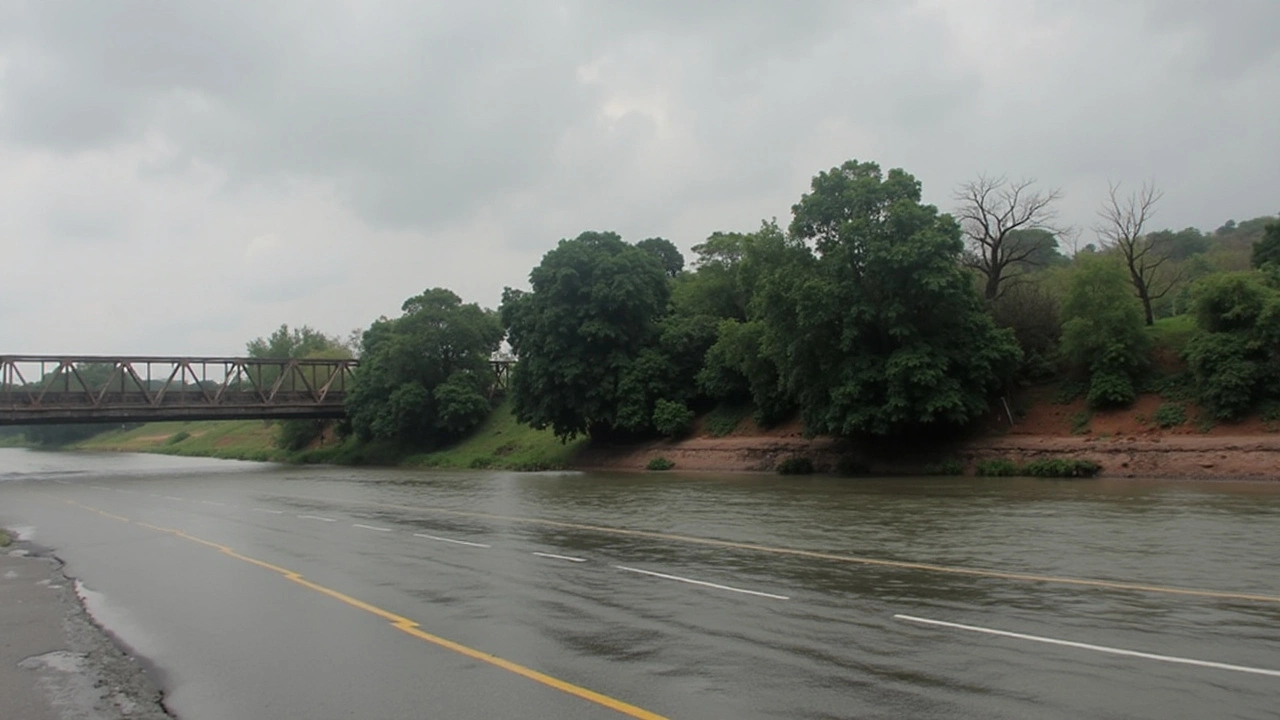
54 662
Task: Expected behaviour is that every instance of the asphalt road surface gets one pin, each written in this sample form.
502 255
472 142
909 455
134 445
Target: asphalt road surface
259 591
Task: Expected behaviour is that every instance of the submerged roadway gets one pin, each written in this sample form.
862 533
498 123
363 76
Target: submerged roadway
259 591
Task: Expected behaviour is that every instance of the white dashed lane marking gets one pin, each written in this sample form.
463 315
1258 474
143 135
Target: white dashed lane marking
703 583
450 540
554 556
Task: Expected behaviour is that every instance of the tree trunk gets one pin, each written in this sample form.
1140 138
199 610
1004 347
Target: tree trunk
993 285
1146 306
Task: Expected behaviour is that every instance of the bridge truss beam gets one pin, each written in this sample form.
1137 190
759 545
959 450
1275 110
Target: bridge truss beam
42 389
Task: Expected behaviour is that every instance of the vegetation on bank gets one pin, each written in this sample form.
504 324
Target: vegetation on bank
870 315
4 539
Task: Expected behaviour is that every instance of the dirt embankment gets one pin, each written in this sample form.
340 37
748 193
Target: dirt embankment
1126 443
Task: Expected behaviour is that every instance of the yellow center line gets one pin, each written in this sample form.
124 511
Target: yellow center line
820 555
404 624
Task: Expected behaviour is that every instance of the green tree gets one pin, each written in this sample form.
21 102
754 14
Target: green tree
730 272
425 376
286 343
666 252
1103 332
1267 250
880 332
594 305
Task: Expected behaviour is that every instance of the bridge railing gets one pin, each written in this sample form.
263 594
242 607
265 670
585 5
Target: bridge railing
37 389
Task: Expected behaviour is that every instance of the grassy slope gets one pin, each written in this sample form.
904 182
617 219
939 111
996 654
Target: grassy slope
500 442
232 439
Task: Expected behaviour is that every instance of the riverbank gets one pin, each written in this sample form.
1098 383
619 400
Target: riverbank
1124 443
500 443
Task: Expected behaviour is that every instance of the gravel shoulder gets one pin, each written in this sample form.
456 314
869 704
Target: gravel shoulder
55 663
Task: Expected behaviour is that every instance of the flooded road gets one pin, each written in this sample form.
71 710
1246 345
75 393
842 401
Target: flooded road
269 591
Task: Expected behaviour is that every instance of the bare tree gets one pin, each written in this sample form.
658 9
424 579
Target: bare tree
1122 220
995 214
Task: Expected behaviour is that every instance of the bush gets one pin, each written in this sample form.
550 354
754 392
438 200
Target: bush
298 434
672 419
177 437
1170 415
1110 388
1058 468
659 464
483 462
1226 376
1104 331
997 467
1032 313
797 465
946 467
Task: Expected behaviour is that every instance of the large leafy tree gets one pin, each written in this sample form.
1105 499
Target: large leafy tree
594 306
882 333
425 376
731 270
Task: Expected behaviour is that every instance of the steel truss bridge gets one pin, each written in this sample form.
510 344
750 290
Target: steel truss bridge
43 390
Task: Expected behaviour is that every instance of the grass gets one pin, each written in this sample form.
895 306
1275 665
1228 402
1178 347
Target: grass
503 443
1172 333
227 439
13 441
724 419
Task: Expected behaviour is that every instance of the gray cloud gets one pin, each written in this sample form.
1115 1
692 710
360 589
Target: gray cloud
229 166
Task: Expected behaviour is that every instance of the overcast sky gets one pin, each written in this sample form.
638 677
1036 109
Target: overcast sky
180 177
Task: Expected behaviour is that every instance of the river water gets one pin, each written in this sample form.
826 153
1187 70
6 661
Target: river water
810 597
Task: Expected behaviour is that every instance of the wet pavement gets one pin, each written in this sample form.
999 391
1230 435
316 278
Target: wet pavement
268 591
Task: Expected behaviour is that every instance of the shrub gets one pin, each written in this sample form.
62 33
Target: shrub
946 467
796 465
672 419
996 467
1032 313
660 463
1061 468
1170 415
1080 422
1110 388
4 539
483 462
298 434
177 437
1104 331
1226 376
